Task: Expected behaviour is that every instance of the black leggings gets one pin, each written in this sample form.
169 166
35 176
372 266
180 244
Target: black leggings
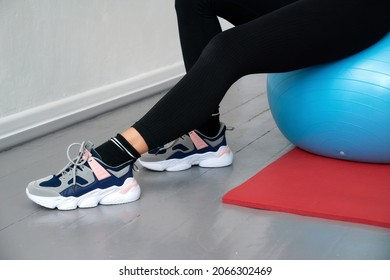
270 36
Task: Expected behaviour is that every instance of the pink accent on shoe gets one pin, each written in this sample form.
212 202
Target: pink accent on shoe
126 189
224 151
97 169
198 142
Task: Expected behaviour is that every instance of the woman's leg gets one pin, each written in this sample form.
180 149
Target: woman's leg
304 33
198 24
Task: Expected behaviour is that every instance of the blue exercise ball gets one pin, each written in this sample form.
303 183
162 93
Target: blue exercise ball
340 109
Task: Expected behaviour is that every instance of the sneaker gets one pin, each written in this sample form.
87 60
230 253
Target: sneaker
191 149
84 182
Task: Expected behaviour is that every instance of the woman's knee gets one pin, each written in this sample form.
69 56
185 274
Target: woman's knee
221 46
220 51
226 53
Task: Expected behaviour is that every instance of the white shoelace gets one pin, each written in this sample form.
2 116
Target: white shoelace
76 162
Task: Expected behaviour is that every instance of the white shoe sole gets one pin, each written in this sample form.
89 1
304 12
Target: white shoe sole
128 192
221 158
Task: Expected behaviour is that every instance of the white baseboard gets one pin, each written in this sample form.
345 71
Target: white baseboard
27 125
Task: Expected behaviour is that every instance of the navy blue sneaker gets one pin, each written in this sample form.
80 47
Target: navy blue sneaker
191 149
84 182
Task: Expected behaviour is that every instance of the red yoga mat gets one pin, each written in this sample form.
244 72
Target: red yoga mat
306 184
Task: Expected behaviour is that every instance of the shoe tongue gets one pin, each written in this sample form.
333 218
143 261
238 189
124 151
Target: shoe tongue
89 146
95 154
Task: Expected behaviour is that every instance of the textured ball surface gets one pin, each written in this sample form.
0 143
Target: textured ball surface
339 109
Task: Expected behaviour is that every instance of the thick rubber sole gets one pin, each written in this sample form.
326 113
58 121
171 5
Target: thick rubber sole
221 158
128 192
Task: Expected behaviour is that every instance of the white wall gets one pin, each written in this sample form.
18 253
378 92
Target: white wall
65 60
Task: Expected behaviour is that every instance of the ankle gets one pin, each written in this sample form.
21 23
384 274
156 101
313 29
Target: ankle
117 151
135 140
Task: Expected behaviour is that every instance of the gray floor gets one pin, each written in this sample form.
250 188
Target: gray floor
180 215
